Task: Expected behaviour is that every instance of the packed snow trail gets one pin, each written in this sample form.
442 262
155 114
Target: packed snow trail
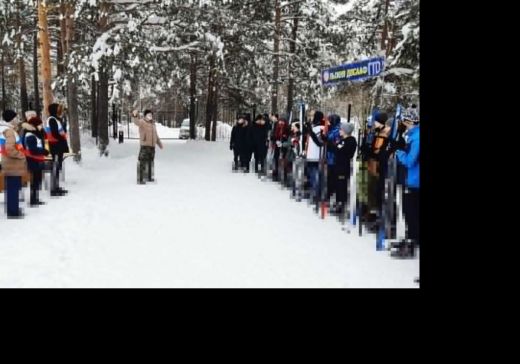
200 226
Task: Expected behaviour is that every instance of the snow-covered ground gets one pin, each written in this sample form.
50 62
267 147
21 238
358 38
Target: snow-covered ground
199 226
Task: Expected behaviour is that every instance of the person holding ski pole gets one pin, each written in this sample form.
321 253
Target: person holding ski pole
344 152
408 155
313 152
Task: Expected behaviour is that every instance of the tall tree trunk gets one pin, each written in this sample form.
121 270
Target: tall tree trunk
276 56
4 96
21 68
72 86
175 110
72 101
23 87
46 57
37 106
59 59
209 100
103 108
102 104
93 105
378 98
215 110
193 90
292 50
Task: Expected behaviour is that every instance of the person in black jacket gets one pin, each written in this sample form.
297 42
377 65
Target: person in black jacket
234 145
245 143
58 146
344 152
260 140
33 141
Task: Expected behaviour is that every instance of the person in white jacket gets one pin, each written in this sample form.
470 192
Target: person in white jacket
313 152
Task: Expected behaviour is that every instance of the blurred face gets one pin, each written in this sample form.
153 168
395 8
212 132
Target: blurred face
379 125
273 118
260 121
408 124
149 116
327 121
240 121
342 133
311 115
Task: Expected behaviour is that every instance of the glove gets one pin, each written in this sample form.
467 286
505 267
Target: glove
399 144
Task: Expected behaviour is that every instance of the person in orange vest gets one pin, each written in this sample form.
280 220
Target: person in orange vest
13 162
57 138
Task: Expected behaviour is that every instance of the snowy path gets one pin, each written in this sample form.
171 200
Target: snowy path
199 226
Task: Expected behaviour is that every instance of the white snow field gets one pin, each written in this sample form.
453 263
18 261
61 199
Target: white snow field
200 225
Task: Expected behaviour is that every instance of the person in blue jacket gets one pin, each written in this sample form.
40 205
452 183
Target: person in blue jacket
408 155
333 138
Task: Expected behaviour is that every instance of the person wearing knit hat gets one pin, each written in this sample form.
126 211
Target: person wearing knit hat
347 128
33 141
13 163
344 152
8 115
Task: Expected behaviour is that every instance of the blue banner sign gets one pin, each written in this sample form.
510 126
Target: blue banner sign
357 71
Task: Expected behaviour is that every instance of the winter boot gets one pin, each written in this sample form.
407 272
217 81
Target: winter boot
406 251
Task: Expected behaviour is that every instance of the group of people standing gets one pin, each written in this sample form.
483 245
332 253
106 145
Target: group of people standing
276 143
327 147
25 146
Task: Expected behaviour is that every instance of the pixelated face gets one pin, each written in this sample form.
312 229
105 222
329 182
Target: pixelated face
15 121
